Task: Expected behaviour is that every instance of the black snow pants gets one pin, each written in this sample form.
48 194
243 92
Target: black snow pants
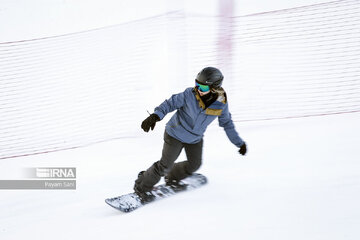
171 151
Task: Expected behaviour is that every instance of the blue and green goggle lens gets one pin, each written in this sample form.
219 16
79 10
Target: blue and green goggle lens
201 87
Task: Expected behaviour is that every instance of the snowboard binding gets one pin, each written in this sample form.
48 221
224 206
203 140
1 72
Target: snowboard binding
176 185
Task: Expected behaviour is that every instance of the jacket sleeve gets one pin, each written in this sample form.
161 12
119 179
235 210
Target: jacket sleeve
226 122
176 101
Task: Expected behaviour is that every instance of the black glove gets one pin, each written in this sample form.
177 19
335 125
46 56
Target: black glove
243 150
150 122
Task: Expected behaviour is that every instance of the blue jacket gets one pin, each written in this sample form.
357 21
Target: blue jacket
191 119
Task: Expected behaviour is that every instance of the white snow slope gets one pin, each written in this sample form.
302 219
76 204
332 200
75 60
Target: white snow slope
299 180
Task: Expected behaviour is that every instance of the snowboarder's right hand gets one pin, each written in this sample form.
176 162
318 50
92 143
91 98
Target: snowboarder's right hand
150 122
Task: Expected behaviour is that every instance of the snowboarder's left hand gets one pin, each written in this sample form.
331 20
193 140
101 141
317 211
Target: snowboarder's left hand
243 150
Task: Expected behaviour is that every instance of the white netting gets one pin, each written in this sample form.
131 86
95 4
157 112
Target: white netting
73 90
297 62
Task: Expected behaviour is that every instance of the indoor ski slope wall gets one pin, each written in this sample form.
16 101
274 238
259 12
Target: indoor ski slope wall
73 90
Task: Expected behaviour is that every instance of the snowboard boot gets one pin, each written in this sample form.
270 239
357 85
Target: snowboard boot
140 174
175 185
145 196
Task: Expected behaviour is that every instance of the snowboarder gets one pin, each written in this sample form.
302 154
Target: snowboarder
196 108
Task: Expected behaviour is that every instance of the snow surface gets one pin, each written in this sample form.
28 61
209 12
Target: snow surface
300 180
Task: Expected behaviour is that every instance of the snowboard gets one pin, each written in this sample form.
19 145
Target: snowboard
131 201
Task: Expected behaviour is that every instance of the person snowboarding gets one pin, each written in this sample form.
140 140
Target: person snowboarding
196 108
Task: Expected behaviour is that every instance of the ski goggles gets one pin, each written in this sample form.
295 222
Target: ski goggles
201 87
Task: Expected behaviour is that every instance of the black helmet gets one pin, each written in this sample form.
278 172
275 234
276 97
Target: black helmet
210 76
